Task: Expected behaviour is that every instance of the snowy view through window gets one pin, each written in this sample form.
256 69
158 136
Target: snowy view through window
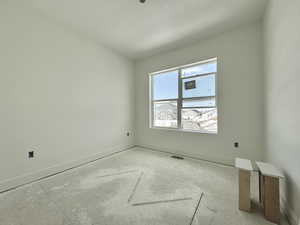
185 106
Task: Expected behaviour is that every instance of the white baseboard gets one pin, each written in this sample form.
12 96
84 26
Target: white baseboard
171 151
289 213
31 177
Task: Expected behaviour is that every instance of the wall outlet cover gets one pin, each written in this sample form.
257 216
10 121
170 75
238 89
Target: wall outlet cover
31 154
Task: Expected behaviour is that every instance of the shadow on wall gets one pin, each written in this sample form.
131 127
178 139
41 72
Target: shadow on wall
288 193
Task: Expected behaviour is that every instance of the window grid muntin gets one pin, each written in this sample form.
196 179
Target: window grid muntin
180 92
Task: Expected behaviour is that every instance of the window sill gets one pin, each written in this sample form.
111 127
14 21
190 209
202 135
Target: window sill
181 130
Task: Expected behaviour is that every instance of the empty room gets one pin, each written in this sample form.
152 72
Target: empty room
149 112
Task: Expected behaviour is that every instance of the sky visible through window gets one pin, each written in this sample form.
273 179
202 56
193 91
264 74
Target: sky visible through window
165 85
205 86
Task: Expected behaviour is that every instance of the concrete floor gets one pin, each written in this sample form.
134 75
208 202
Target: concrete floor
137 187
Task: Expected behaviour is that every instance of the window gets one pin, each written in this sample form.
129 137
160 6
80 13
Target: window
184 98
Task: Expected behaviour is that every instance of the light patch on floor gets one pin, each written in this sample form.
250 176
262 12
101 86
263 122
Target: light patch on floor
137 187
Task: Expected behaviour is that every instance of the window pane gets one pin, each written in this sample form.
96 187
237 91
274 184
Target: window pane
210 67
204 86
165 85
202 120
165 114
205 102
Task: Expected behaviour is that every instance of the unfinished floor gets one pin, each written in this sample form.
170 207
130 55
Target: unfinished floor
136 187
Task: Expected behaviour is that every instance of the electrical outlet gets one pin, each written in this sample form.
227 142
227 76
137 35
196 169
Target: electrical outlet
236 144
31 154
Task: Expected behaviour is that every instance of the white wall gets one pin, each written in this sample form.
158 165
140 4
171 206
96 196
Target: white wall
282 67
240 95
61 95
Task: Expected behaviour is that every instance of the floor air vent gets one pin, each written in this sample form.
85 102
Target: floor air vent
177 157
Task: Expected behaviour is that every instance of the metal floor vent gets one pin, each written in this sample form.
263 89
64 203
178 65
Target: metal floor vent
177 157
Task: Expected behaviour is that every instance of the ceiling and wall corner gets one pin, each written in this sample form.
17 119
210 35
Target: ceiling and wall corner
140 30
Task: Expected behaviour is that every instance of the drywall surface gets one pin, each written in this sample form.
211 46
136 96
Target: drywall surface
282 67
240 98
61 95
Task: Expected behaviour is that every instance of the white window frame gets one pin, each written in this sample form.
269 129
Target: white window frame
180 99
